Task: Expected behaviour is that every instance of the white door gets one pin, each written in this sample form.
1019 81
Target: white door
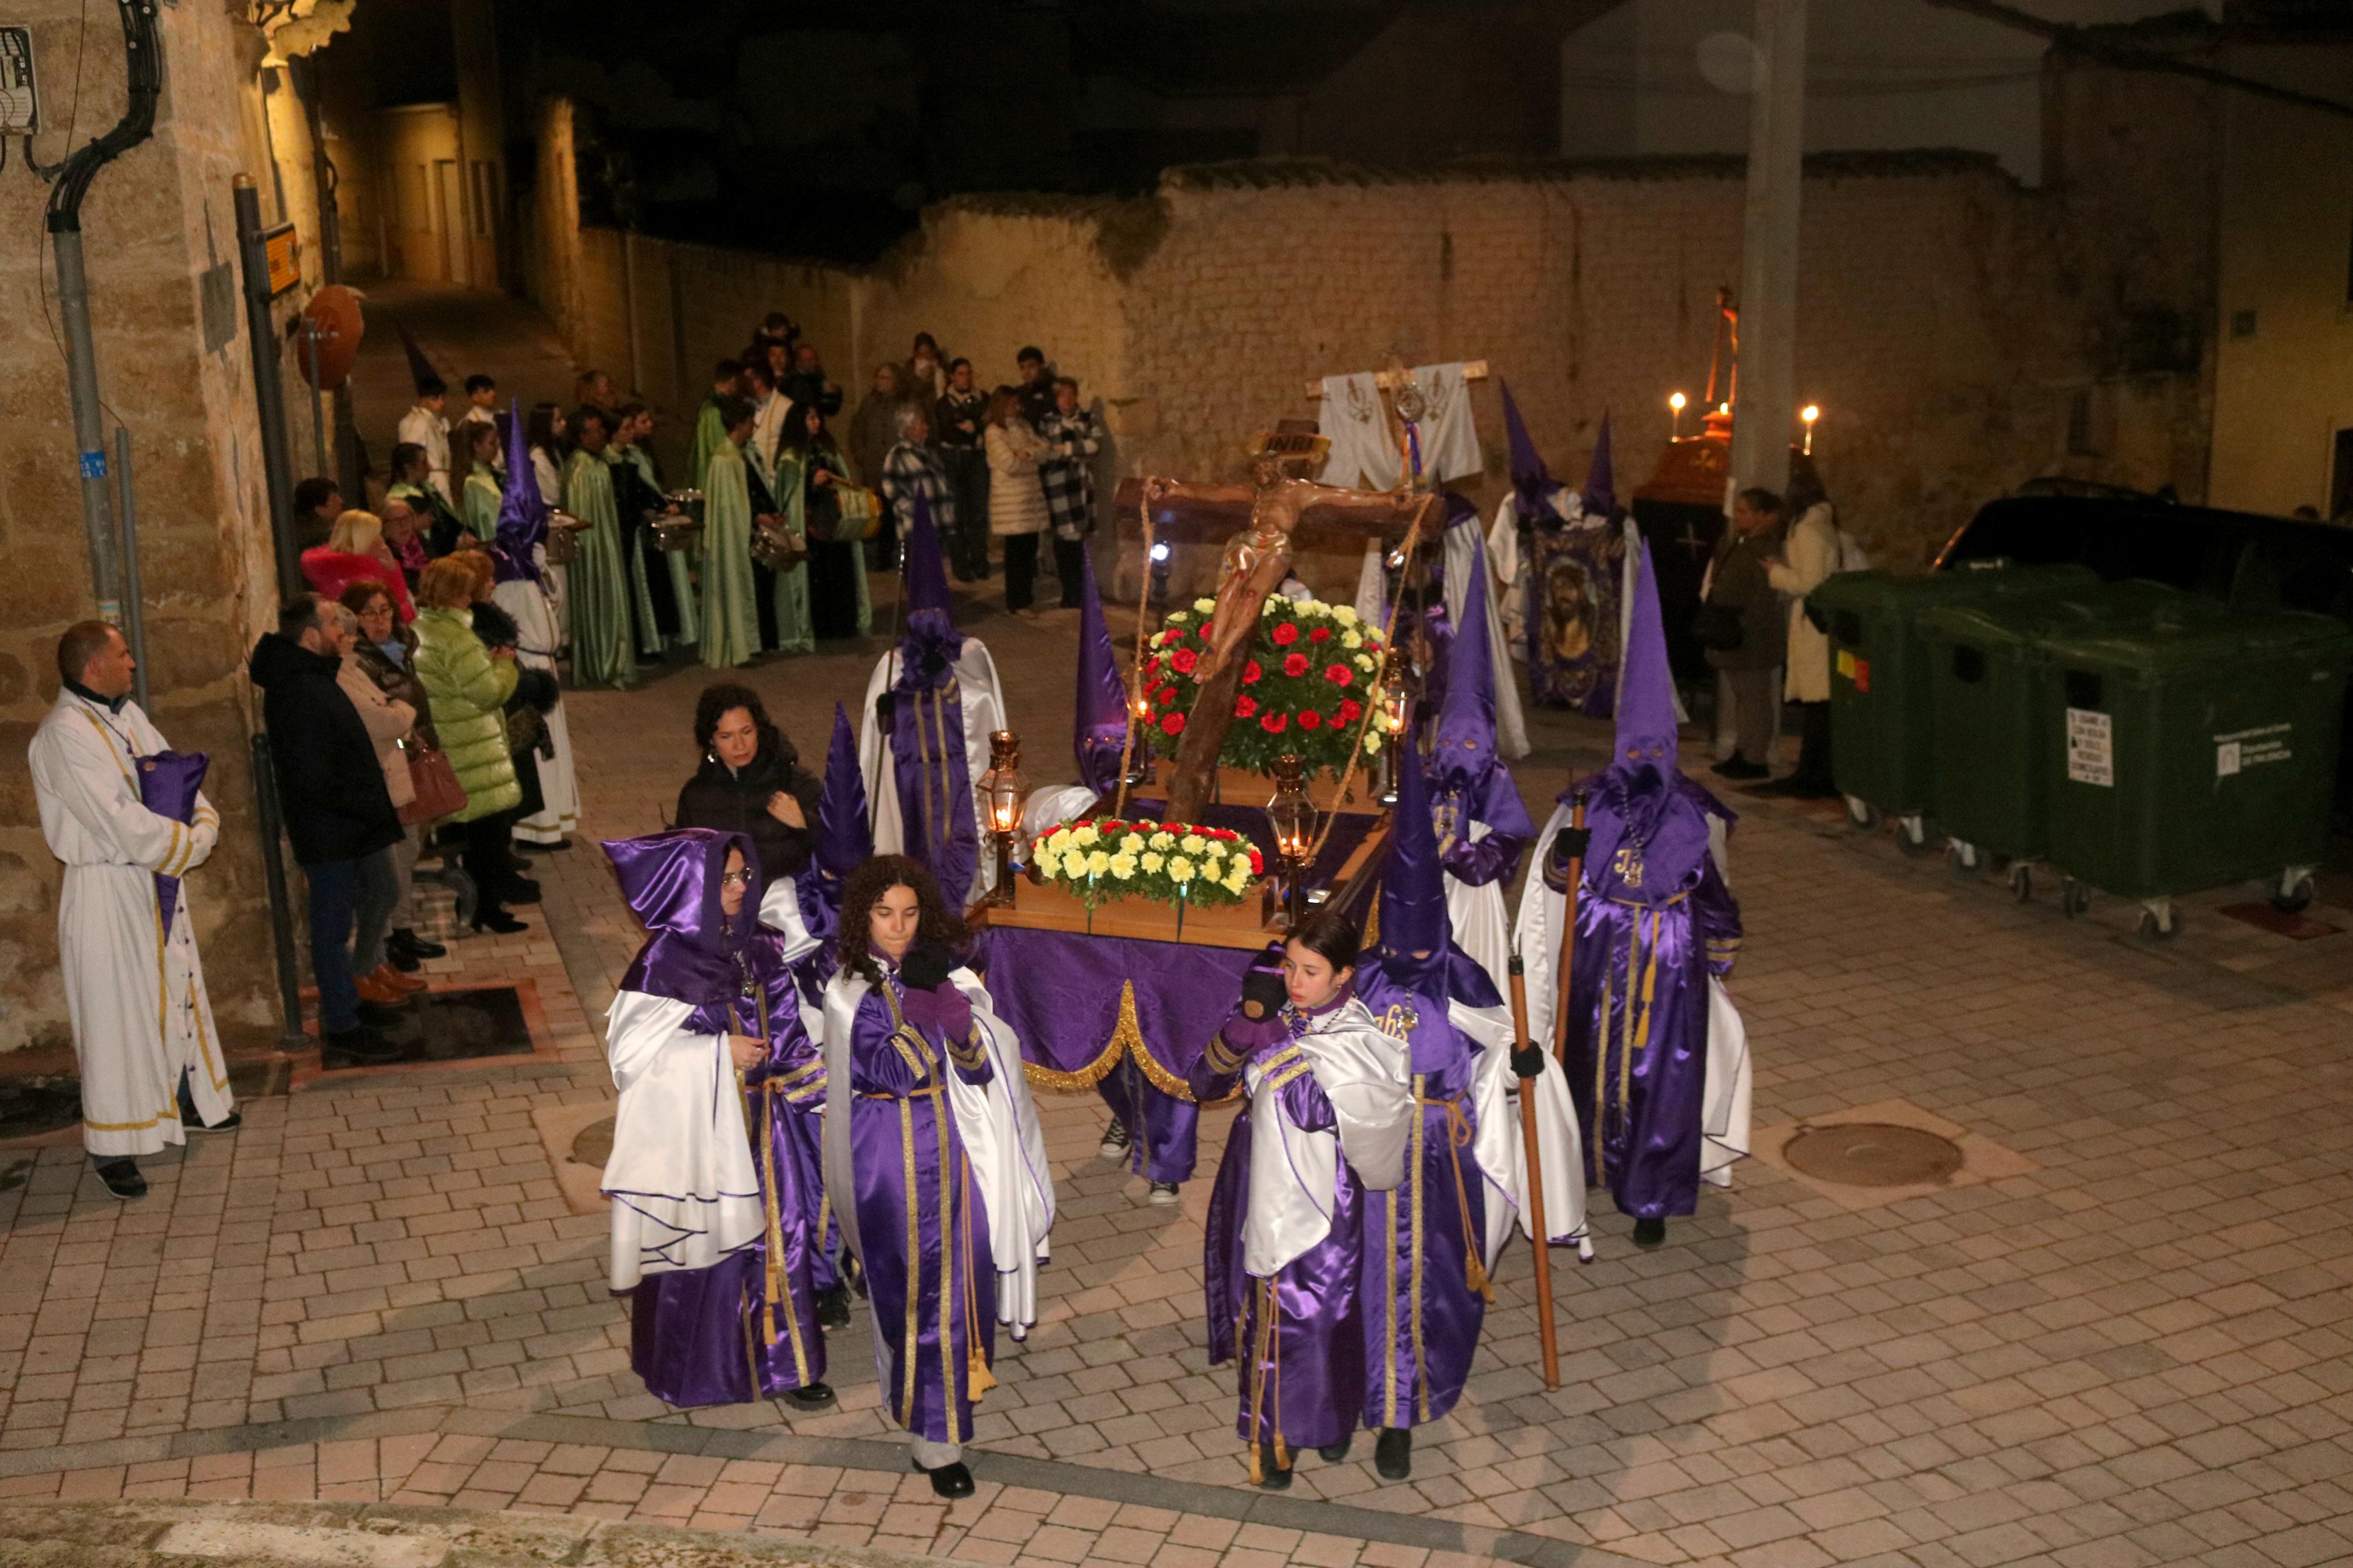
449 218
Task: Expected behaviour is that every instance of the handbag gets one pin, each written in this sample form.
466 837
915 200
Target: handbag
1717 628
438 793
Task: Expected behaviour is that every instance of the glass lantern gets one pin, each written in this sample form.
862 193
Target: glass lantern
1002 791
1292 818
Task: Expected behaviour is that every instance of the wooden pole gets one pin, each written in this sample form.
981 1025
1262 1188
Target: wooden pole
1135 669
1569 938
1537 1228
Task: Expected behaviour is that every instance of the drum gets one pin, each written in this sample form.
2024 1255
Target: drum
776 546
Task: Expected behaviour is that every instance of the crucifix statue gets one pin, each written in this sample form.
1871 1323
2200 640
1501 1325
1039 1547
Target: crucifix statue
1283 508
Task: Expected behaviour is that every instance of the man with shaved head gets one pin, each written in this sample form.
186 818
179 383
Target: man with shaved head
124 814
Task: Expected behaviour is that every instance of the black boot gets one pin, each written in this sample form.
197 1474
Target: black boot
833 1307
1393 1453
810 1396
1269 1478
1650 1232
1333 1453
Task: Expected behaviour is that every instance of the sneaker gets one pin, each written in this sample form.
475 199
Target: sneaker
228 1123
1115 1145
1163 1195
122 1179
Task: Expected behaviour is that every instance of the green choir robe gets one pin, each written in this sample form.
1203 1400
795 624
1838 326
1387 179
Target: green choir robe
485 491
710 435
731 615
794 632
598 584
674 561
792 474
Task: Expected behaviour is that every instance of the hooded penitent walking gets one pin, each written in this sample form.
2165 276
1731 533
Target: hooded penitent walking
712 1238
1654 1050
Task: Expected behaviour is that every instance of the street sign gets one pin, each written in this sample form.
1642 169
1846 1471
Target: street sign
284 251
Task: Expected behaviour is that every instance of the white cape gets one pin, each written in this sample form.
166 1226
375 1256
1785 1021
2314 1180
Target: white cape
534 609
1726 1094
1362 1073
983 713
1462 560
1480 926
685 1193
999 1123
1502 1149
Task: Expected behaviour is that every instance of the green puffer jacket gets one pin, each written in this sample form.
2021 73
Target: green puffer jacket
468 688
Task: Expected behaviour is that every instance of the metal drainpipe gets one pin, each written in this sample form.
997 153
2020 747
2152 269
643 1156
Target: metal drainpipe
268 387
145 73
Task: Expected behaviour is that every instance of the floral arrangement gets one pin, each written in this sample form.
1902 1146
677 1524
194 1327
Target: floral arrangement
1169 863
1307 678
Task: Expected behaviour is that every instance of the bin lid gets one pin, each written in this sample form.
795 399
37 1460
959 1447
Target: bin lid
1967 581
2207 638
2065 609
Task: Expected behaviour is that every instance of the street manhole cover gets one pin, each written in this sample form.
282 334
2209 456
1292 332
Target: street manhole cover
1872 1154
594 1146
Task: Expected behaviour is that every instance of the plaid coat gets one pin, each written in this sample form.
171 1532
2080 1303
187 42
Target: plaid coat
1069 476
908 471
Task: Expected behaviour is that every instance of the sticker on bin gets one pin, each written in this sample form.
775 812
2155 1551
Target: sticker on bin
1857 670
2252 749
2091 748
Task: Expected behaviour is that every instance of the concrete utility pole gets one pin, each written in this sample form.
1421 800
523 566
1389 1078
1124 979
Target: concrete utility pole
1767 394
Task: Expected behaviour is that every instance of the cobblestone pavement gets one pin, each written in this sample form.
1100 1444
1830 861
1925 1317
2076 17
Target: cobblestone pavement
2120 1337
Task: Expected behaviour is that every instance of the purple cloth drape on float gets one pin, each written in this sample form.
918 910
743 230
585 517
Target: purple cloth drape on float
1065 993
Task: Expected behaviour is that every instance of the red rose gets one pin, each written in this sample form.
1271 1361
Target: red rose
1273 724
1258 864
1168 697
1183 660
1284 633
1311 720
1173 725
1152 665
1245 706
1321 634
1350 710
1250 672
1339 673
1205 635
1296 665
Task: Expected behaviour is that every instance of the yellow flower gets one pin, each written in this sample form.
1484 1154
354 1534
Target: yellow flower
1205 606
1180 869
1351 639
1050 864
1085 836
1060 839
1132 842
1123 866
1372 741
1365 661
1179 618
1344 615
1239 878
1193 844
1164 841
1098 863
1152 863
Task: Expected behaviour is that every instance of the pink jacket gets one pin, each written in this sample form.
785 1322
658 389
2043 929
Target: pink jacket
329 572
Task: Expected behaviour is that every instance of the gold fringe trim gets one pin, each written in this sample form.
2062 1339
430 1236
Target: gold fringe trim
1127 1041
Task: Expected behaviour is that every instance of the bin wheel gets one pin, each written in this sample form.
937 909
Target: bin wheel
1860 815
2161 924
1911 836
1962 857
2075 897
2021 881
2293 894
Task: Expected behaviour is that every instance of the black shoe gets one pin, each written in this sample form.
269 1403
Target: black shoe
1650 1232
950 1480
122 1179
1736 767
497 921
416 946
400 958
377 1016
817 1397
1393 1453
833 1307
1269 1478
1333 1453
228 1123
361 1047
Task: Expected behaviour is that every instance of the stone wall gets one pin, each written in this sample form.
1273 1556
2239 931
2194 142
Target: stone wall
1961 333
155 223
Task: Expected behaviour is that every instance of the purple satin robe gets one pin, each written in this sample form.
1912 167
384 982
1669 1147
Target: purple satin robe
701 1336
1492 798
923 1234
1424 1300
935 779
1637 1029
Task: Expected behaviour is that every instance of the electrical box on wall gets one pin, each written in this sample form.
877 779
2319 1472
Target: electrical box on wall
20 100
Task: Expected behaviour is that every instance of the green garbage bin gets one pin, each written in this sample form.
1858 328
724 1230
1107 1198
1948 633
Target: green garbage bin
1988 728
1880 691
2190 753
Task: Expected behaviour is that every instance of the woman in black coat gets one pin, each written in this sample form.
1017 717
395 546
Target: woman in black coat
751 781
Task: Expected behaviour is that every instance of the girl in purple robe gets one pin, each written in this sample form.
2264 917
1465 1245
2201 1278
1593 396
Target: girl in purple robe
1326 1121
711 1233
899 1031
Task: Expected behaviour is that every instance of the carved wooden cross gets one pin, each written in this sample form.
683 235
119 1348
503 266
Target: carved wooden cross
1264 522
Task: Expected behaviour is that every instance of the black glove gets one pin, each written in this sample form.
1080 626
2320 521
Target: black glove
1528 1063
1567 845
926 966
1263 995
884 706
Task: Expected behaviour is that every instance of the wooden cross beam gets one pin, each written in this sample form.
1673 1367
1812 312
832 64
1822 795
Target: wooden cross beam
1396 375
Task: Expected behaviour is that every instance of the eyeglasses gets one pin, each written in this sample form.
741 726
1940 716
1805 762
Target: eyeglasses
735 878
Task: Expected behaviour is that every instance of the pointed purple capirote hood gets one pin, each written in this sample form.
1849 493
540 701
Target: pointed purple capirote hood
523 510
1101 734
1465 741
1600 476
845 839
1415 931
931 613
1527 468
1646 685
